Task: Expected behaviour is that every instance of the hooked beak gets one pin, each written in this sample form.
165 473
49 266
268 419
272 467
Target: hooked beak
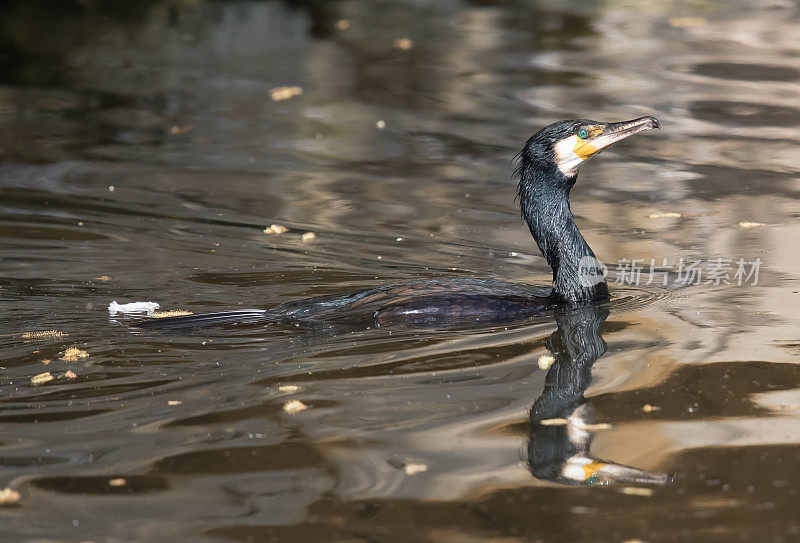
610 133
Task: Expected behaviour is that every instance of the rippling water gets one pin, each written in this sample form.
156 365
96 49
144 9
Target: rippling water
141 156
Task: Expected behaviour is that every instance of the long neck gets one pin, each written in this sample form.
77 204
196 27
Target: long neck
544 199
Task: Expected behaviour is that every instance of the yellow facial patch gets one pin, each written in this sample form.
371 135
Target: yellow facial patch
583 148
590 469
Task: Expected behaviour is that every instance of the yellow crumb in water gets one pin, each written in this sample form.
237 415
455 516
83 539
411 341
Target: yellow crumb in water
73 354
174 402
117 481
342 24
178 130
46 362
288 388
284 93
686 22
545 361
553 422
8 496
411 469
380 124
275 229
43 334
102 278
172 313
749 224
71 375
294 406
647 408
308 236
404 44
42 378
636 491
667 215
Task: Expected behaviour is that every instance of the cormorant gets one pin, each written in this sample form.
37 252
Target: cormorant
547 170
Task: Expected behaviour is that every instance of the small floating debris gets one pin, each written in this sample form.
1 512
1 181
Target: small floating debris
117 482
636 491
553 422
687 22
412 469
284 93
176 130
308 236
288 388
42 378
276 229
404 44
71 375
667 215
43 334
174 402
73 354
102 278
545 361
380 124
342 24
8 496
294 406
134 307
171 313
647 408
749 224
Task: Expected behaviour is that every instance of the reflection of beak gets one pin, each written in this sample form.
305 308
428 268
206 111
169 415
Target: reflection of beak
612 133
592 472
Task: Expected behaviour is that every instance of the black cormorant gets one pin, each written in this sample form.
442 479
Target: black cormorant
547 170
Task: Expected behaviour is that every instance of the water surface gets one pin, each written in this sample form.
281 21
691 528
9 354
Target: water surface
141 156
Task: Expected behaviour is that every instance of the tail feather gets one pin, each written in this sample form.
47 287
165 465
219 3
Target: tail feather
202 320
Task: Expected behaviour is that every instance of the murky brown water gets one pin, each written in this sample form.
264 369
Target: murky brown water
141 156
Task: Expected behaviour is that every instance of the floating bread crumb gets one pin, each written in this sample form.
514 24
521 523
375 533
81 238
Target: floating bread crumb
308 236
667 215
545 361
174 402
172 313
404 44
342 24
687 22
288 388
117 481
411 469
284 93
73 354
276 229
176 130
750 224
43 334
636 491
8 496
102 278
647 408
42 378
71 375
294 406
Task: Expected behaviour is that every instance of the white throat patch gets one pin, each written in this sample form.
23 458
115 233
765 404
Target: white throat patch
567 160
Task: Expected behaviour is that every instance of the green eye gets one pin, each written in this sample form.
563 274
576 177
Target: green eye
583 133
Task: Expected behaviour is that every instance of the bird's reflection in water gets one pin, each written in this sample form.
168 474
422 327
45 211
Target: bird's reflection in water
561 418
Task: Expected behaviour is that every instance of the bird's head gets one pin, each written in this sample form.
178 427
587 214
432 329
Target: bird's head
568 144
